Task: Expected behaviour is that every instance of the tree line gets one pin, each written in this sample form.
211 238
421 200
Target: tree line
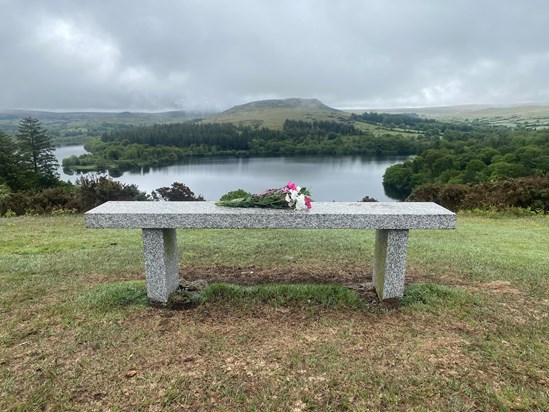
471 157
165 144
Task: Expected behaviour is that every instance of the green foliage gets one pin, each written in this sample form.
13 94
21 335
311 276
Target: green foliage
4 191
80 127
40 202
9 213
95 190
178 192
402 120
473 156
11 172
528 193
235 194
36 152
165 144
90 191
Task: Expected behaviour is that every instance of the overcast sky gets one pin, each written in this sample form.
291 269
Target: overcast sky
206 54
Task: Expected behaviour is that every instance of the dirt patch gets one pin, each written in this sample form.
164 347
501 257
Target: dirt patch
500 286
254 275
352 277
193 279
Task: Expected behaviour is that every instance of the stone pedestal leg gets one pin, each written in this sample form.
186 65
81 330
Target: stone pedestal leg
390 263
160 247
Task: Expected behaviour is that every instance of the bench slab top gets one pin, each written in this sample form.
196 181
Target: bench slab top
323 215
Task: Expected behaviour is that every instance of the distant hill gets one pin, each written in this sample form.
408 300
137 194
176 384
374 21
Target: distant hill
532 116
78 127
273 113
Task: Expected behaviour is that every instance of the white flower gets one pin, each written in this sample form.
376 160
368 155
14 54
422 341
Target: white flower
300 203
289 200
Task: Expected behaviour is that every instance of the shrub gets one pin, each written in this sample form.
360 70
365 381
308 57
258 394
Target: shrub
530 192
178 192
40 202
96 190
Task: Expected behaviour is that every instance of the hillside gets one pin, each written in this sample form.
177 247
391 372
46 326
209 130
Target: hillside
532 116
273 113
78 127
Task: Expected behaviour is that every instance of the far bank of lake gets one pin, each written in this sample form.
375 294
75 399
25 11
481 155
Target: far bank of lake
330 178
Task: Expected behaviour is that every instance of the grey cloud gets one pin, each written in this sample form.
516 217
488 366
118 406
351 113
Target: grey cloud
154 55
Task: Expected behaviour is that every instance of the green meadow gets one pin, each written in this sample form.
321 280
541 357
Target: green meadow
275 320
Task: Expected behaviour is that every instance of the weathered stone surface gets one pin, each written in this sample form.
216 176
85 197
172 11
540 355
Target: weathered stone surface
160 219
323 215
161 268
390 262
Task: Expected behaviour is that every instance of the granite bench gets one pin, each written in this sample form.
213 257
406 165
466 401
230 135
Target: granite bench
159 221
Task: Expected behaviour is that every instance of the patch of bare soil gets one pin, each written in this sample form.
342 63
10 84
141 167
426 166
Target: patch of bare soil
193 279
513 304
254 275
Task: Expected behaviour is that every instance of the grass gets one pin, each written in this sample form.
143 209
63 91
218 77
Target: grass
531 116
282 323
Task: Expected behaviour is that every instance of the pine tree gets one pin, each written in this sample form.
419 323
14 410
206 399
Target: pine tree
8 161
37 152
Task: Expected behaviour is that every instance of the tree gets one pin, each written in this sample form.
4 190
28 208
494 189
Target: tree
179 192
8 161
37 153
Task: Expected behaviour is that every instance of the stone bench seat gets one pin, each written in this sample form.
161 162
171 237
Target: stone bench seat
159 221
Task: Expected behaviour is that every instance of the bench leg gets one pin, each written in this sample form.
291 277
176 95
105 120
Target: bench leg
160 247
390 263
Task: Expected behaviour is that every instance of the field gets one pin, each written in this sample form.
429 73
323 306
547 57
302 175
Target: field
471 334
511 116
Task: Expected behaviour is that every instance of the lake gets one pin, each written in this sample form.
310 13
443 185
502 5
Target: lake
329 178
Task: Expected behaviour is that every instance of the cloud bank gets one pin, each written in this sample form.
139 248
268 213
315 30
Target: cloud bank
164 55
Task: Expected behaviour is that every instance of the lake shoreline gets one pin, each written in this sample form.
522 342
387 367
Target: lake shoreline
330 178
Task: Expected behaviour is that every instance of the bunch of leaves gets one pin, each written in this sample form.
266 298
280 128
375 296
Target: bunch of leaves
235 194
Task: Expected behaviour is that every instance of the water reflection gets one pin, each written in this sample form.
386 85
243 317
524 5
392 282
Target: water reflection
330 178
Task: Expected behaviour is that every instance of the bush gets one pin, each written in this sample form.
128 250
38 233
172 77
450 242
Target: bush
531 192
177 193
96 190
40 202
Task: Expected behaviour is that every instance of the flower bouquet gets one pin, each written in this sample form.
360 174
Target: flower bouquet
290 196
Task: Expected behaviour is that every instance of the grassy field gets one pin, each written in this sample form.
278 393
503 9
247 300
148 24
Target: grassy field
471 334
531 116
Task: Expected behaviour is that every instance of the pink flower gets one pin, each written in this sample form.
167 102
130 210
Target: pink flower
291 186
308 202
